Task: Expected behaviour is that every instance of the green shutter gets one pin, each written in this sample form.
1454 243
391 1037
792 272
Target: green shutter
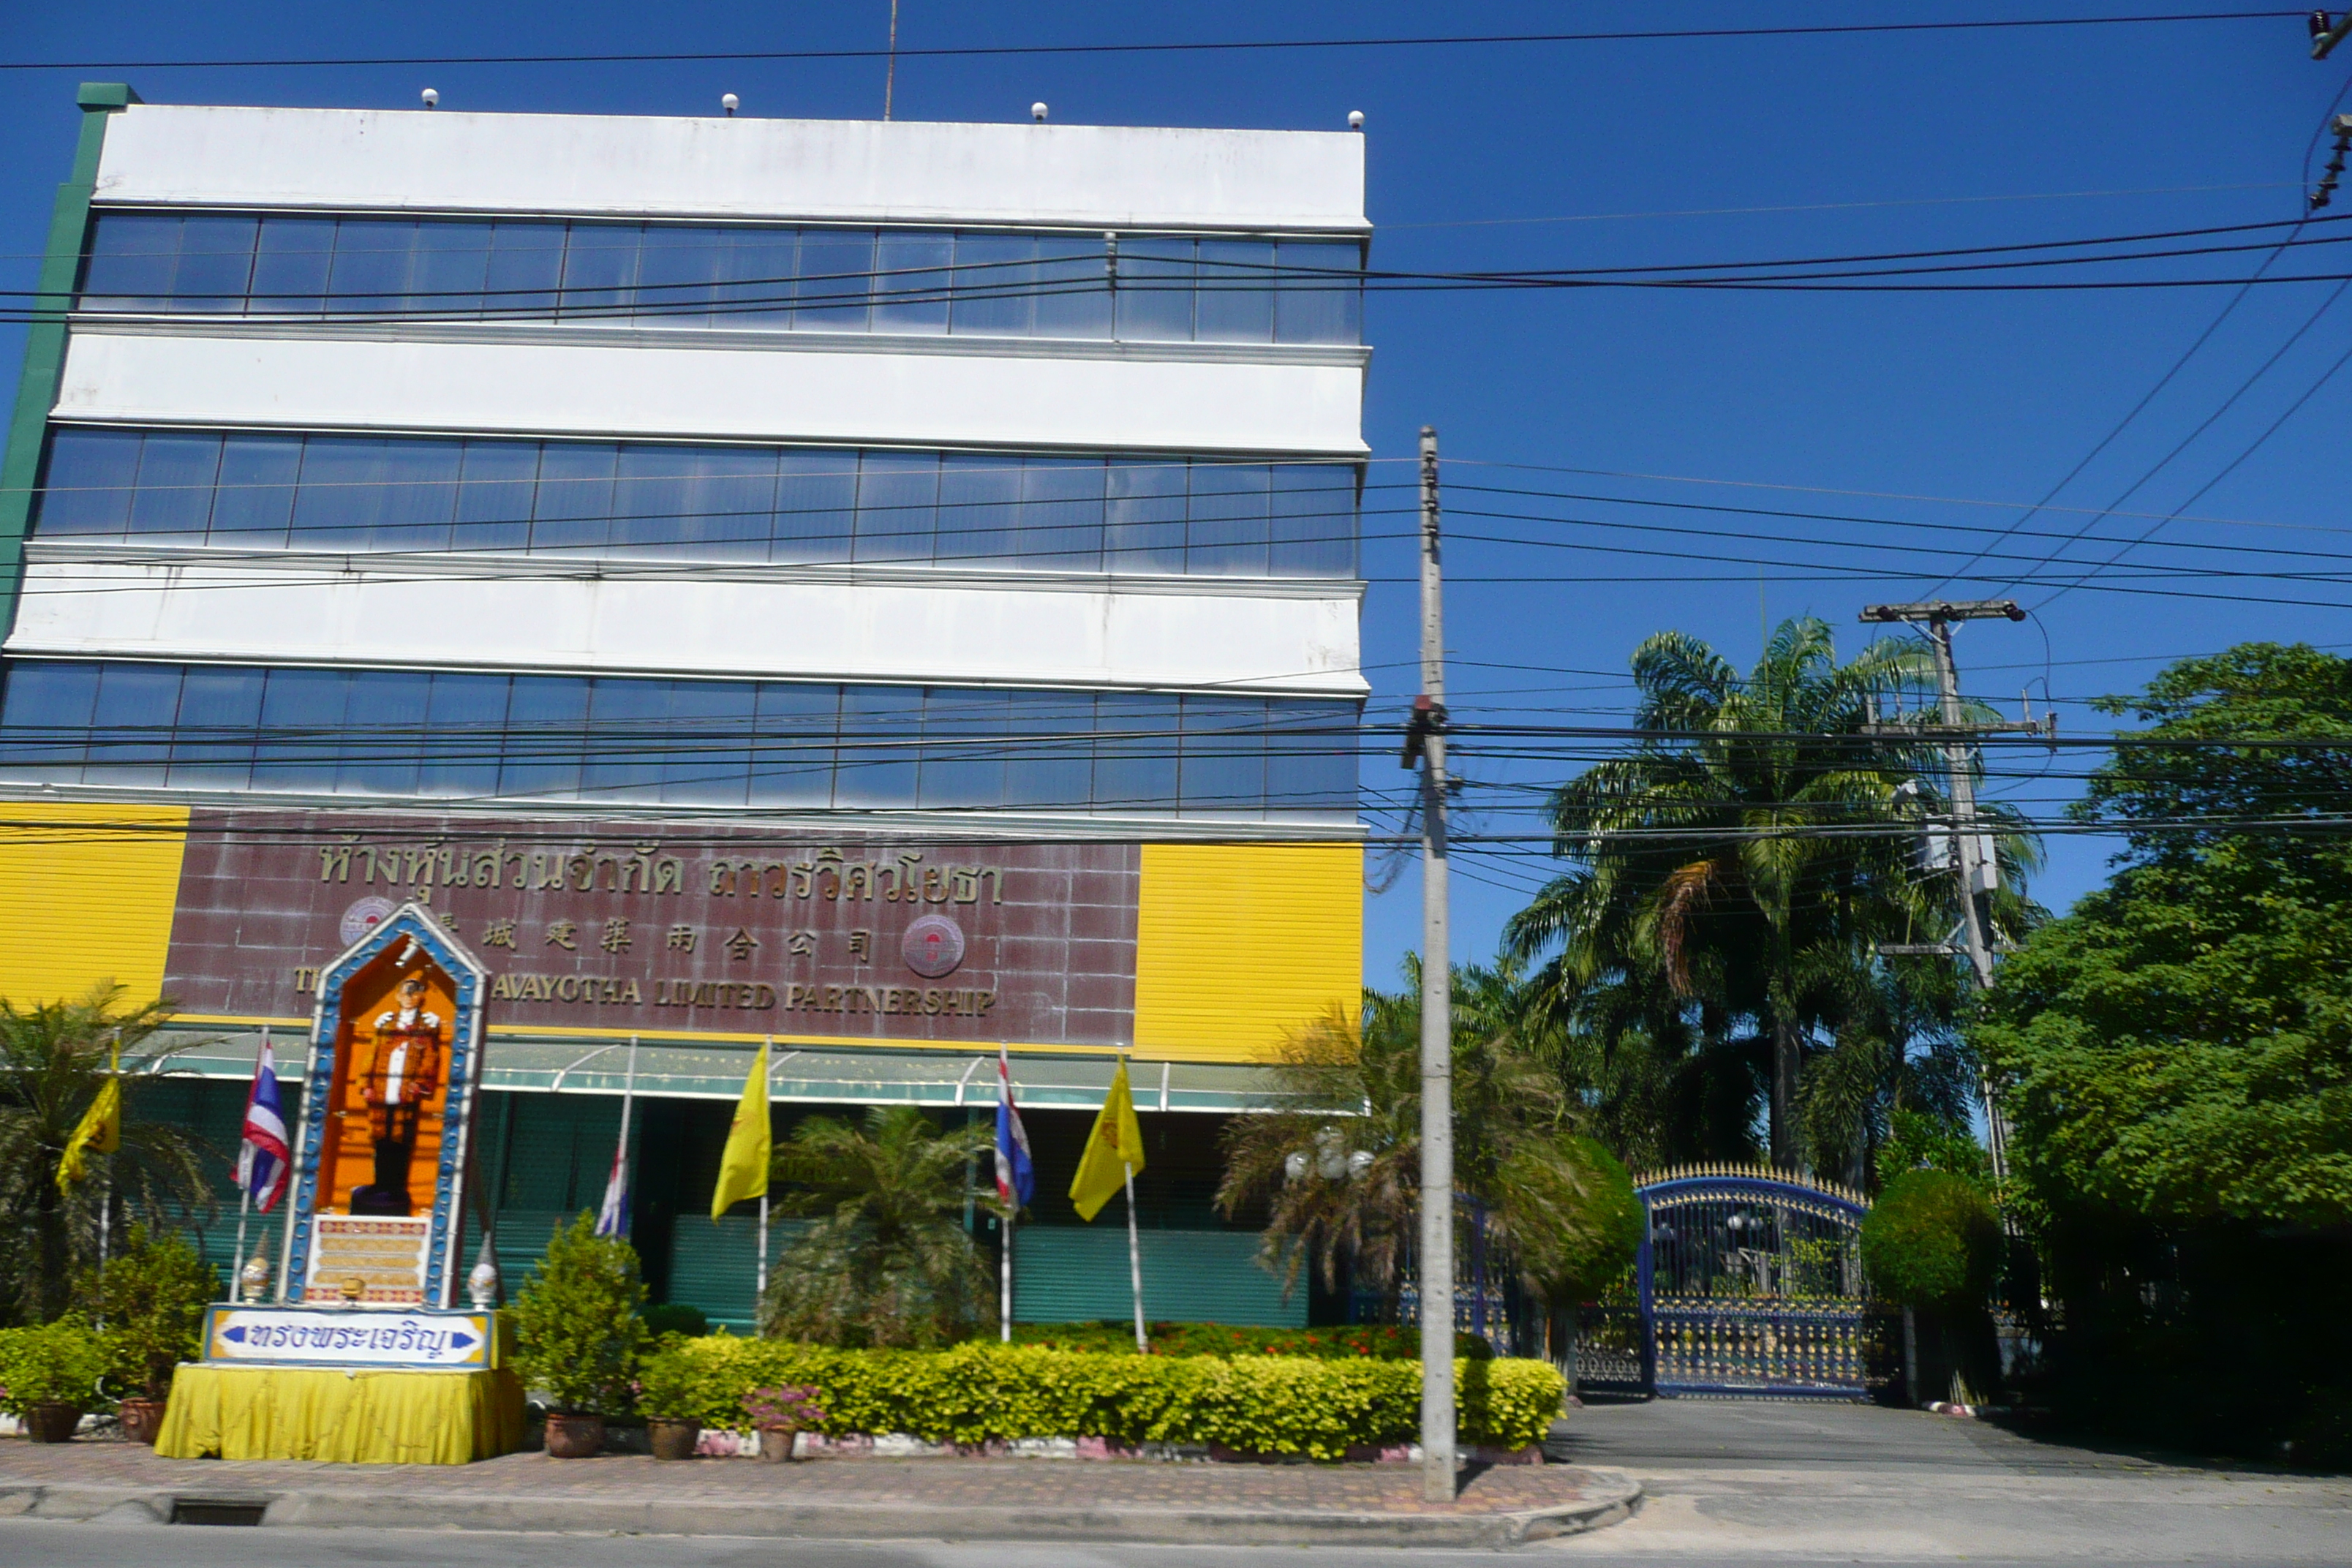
714 1264
522 1237
1067 1275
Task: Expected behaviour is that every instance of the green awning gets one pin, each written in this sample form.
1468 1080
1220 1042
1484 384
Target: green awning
815 1074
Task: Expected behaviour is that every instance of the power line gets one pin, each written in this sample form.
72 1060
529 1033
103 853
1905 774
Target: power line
2179 364
2202 426
1832 206
2251 447
1224 274
973 51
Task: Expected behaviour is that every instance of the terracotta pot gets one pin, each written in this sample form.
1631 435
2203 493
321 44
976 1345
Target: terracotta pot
673 1440
574 1436
776 1444
141 1419
52 1421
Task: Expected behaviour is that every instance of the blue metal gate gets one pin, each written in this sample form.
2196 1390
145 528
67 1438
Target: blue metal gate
1749 1281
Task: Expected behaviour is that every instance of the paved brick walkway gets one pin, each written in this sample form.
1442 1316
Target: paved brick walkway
938 1482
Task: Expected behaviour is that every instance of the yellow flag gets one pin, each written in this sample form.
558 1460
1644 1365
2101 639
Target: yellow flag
101 1128
1113 1148
743 1169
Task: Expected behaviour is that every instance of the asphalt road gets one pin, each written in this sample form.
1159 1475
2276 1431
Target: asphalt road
1729 1482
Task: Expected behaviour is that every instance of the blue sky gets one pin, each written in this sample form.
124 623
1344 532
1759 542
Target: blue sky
1912 411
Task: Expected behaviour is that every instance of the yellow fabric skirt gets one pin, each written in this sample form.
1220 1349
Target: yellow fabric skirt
356 1416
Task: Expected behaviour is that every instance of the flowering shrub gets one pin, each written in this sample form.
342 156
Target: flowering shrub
1319 1406
794 1405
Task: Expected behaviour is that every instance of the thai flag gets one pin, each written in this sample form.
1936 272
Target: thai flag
613 1220
1016 1178
262 1160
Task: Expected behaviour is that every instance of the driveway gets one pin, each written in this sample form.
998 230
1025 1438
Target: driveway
1742 1479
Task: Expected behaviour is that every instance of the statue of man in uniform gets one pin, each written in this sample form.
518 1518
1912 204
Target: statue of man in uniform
398 1072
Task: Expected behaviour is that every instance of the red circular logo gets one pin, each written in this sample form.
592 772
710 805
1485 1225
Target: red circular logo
933 946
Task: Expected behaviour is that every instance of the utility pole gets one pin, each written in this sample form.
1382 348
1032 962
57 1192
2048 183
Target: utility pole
1425 741
1973 861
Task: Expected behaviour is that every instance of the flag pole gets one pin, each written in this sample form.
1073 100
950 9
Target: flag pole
767 1090
1134 1264
628 1092
1011 1202
245 1178
621 1156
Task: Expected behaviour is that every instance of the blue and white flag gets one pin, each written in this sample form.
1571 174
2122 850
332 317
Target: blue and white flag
262 1159
613 1220
1016 1178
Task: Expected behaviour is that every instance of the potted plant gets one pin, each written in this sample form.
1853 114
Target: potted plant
151 1297
577 1334
780 1413
49 1376
670 1388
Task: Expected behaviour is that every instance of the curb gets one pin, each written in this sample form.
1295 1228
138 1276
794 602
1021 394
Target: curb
1617 1495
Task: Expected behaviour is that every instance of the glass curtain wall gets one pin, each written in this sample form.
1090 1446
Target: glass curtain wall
1147 288
630 501
466 734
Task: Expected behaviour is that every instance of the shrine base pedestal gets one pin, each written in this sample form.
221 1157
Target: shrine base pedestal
344 1416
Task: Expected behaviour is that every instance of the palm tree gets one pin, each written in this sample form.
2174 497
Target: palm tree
1339 1167
885 1261
1894 1048
54 1058
1742 864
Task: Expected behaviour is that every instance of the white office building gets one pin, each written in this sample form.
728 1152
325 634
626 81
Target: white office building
983 492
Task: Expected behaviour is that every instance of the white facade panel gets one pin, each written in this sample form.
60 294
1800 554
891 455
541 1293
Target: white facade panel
1094 176
913 399
957 634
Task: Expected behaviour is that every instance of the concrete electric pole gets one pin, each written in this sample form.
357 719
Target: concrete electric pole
1425 740
1972 860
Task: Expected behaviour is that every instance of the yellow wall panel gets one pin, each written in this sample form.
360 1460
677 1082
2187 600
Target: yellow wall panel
86 894
1239 944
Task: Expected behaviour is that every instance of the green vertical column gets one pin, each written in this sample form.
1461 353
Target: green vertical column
45 341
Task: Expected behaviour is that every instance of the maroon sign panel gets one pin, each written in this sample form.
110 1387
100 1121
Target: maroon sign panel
644 928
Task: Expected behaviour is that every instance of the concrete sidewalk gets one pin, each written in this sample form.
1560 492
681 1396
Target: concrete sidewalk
865 1498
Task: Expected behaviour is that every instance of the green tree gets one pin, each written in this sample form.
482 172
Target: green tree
577 1332
885 1261
53 1062
2180 1045
1730 878
2176 1059
1338 1168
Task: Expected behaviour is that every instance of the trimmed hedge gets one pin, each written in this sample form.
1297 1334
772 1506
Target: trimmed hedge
972 1394
1117 1336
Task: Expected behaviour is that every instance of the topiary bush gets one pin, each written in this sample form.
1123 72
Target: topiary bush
1931 1240
60 1363
577 1332
975 1394
675 1318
